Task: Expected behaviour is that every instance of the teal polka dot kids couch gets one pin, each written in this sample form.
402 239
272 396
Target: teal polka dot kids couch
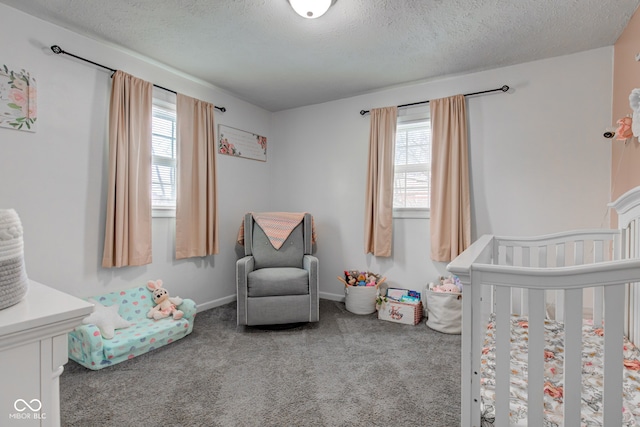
88 347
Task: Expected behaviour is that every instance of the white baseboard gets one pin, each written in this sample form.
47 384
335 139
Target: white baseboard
216 303
332 297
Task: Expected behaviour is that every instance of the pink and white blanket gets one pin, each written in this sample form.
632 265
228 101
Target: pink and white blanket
277 226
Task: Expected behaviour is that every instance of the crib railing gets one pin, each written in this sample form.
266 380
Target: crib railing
559 250
513 275
627 208
631 249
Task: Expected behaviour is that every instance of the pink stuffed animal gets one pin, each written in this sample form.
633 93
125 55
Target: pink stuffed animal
447 285
165 305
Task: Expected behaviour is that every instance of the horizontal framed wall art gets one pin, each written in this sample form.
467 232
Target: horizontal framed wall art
239 143
17 99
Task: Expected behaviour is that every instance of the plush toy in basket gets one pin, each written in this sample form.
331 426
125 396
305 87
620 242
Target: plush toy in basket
361 290
447 284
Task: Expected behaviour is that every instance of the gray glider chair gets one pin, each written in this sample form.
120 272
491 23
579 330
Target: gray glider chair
277 286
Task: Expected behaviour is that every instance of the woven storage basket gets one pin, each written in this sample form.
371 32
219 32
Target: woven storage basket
13 276
360 299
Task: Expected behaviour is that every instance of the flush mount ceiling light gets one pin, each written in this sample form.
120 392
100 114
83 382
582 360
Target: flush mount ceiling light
310 9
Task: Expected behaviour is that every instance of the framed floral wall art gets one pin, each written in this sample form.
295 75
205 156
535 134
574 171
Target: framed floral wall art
17 99
239 143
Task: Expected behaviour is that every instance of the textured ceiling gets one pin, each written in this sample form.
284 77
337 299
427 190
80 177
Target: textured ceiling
264 53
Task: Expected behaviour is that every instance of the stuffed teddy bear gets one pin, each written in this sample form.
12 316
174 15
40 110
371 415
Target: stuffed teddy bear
165 305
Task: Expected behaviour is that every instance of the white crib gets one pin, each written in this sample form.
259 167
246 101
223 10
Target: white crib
568 277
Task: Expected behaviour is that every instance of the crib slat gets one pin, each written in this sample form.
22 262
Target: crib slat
578 257
631 308
526 262
559 295
634 331
573 357
617 246
613 356
598 256
536 357
526 256
598 251
631 247
503 356
542 256
560 254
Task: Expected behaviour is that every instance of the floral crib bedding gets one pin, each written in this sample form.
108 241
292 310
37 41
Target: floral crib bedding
592 375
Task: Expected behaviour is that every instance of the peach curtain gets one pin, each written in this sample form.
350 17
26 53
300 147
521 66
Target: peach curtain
196 205
378 220
127 238
450 204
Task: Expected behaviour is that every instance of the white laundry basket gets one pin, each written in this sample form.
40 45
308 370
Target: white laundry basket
444 311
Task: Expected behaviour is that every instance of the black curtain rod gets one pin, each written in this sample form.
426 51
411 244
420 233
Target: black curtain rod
58 50
503 89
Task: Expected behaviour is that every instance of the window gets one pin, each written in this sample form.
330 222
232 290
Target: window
163 163
412 173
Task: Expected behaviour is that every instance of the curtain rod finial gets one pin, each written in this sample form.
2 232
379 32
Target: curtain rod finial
57 49
363 112
505 88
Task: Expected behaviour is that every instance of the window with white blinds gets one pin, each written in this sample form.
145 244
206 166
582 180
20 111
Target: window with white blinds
412 167
163 164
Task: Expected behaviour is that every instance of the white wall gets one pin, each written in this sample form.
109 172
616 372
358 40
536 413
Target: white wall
55 178
539 163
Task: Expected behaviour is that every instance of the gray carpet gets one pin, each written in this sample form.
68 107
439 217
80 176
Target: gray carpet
346 370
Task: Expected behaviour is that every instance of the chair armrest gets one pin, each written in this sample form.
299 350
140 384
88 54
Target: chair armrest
310 263
244 266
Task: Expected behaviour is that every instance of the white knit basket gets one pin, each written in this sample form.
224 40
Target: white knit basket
360 299
13 275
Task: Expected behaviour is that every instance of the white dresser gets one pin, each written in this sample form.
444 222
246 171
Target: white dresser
33 350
